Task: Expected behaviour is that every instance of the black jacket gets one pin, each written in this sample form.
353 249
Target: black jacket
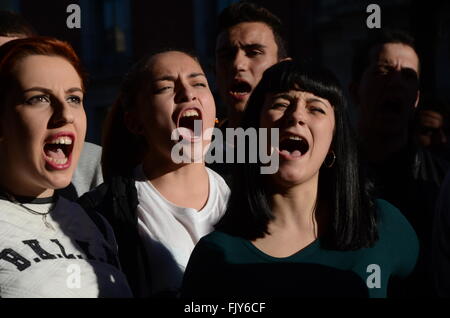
410 180
117 201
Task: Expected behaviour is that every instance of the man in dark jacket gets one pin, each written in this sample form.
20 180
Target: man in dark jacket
385 87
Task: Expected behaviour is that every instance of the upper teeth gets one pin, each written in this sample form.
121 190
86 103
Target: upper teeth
190 113
295 138
62 140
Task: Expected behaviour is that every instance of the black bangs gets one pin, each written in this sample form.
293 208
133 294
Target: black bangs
290 75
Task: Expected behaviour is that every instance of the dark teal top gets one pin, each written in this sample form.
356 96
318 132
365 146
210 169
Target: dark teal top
222 265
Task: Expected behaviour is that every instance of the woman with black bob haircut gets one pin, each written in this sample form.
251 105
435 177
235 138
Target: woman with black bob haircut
311 228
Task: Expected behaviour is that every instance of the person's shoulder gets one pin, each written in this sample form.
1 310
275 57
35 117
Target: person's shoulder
387 213
220 240
91 147
220 181
393 227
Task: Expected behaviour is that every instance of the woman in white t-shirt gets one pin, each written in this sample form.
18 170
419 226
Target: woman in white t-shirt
159 196
49 247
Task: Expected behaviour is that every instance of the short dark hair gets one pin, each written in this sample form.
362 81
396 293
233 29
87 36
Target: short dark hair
13 24
245 11
353 219
374 39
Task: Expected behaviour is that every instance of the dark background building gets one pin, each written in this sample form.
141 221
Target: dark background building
114 33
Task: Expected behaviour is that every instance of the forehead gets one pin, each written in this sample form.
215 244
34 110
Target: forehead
247 33
43 70
395 54
172 63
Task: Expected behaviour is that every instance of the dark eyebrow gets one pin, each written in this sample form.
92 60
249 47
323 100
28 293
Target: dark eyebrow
173 78
283 96
254 46
291 98
48 91
74 89
250 46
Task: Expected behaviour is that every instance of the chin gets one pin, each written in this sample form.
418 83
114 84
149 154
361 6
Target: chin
288 178
59 180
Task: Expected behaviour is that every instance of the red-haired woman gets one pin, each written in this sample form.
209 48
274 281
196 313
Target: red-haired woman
49 247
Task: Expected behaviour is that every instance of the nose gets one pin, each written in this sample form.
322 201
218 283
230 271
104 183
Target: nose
185 93
240 62
296 114
62 113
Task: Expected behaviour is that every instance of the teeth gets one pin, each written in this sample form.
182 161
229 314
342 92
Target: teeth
62 141
190 113
295 138
58 161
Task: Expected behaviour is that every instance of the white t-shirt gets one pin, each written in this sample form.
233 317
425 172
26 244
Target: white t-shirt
68 257
170 232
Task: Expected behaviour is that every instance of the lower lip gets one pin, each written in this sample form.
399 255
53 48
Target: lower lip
288 156
240 97
55 166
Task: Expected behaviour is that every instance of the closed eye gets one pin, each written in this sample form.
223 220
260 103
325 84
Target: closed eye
200 84
279 106
316 109
163 89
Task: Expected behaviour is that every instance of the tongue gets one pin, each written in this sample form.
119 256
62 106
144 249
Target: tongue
295 153
55 153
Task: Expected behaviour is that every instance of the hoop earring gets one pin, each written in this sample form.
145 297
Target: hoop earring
329 165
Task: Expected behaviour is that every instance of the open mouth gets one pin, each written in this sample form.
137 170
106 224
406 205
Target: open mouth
240 89
187 122
293 146
58 150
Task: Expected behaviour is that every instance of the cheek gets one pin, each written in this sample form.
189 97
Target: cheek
324 135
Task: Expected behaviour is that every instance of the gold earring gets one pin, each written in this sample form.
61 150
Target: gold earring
329 165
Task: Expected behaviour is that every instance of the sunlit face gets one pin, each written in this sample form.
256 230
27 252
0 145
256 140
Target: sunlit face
243 53
176 96
389 91
306 126
42 127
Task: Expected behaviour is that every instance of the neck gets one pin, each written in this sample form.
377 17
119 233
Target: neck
16 186
295 206
184 185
